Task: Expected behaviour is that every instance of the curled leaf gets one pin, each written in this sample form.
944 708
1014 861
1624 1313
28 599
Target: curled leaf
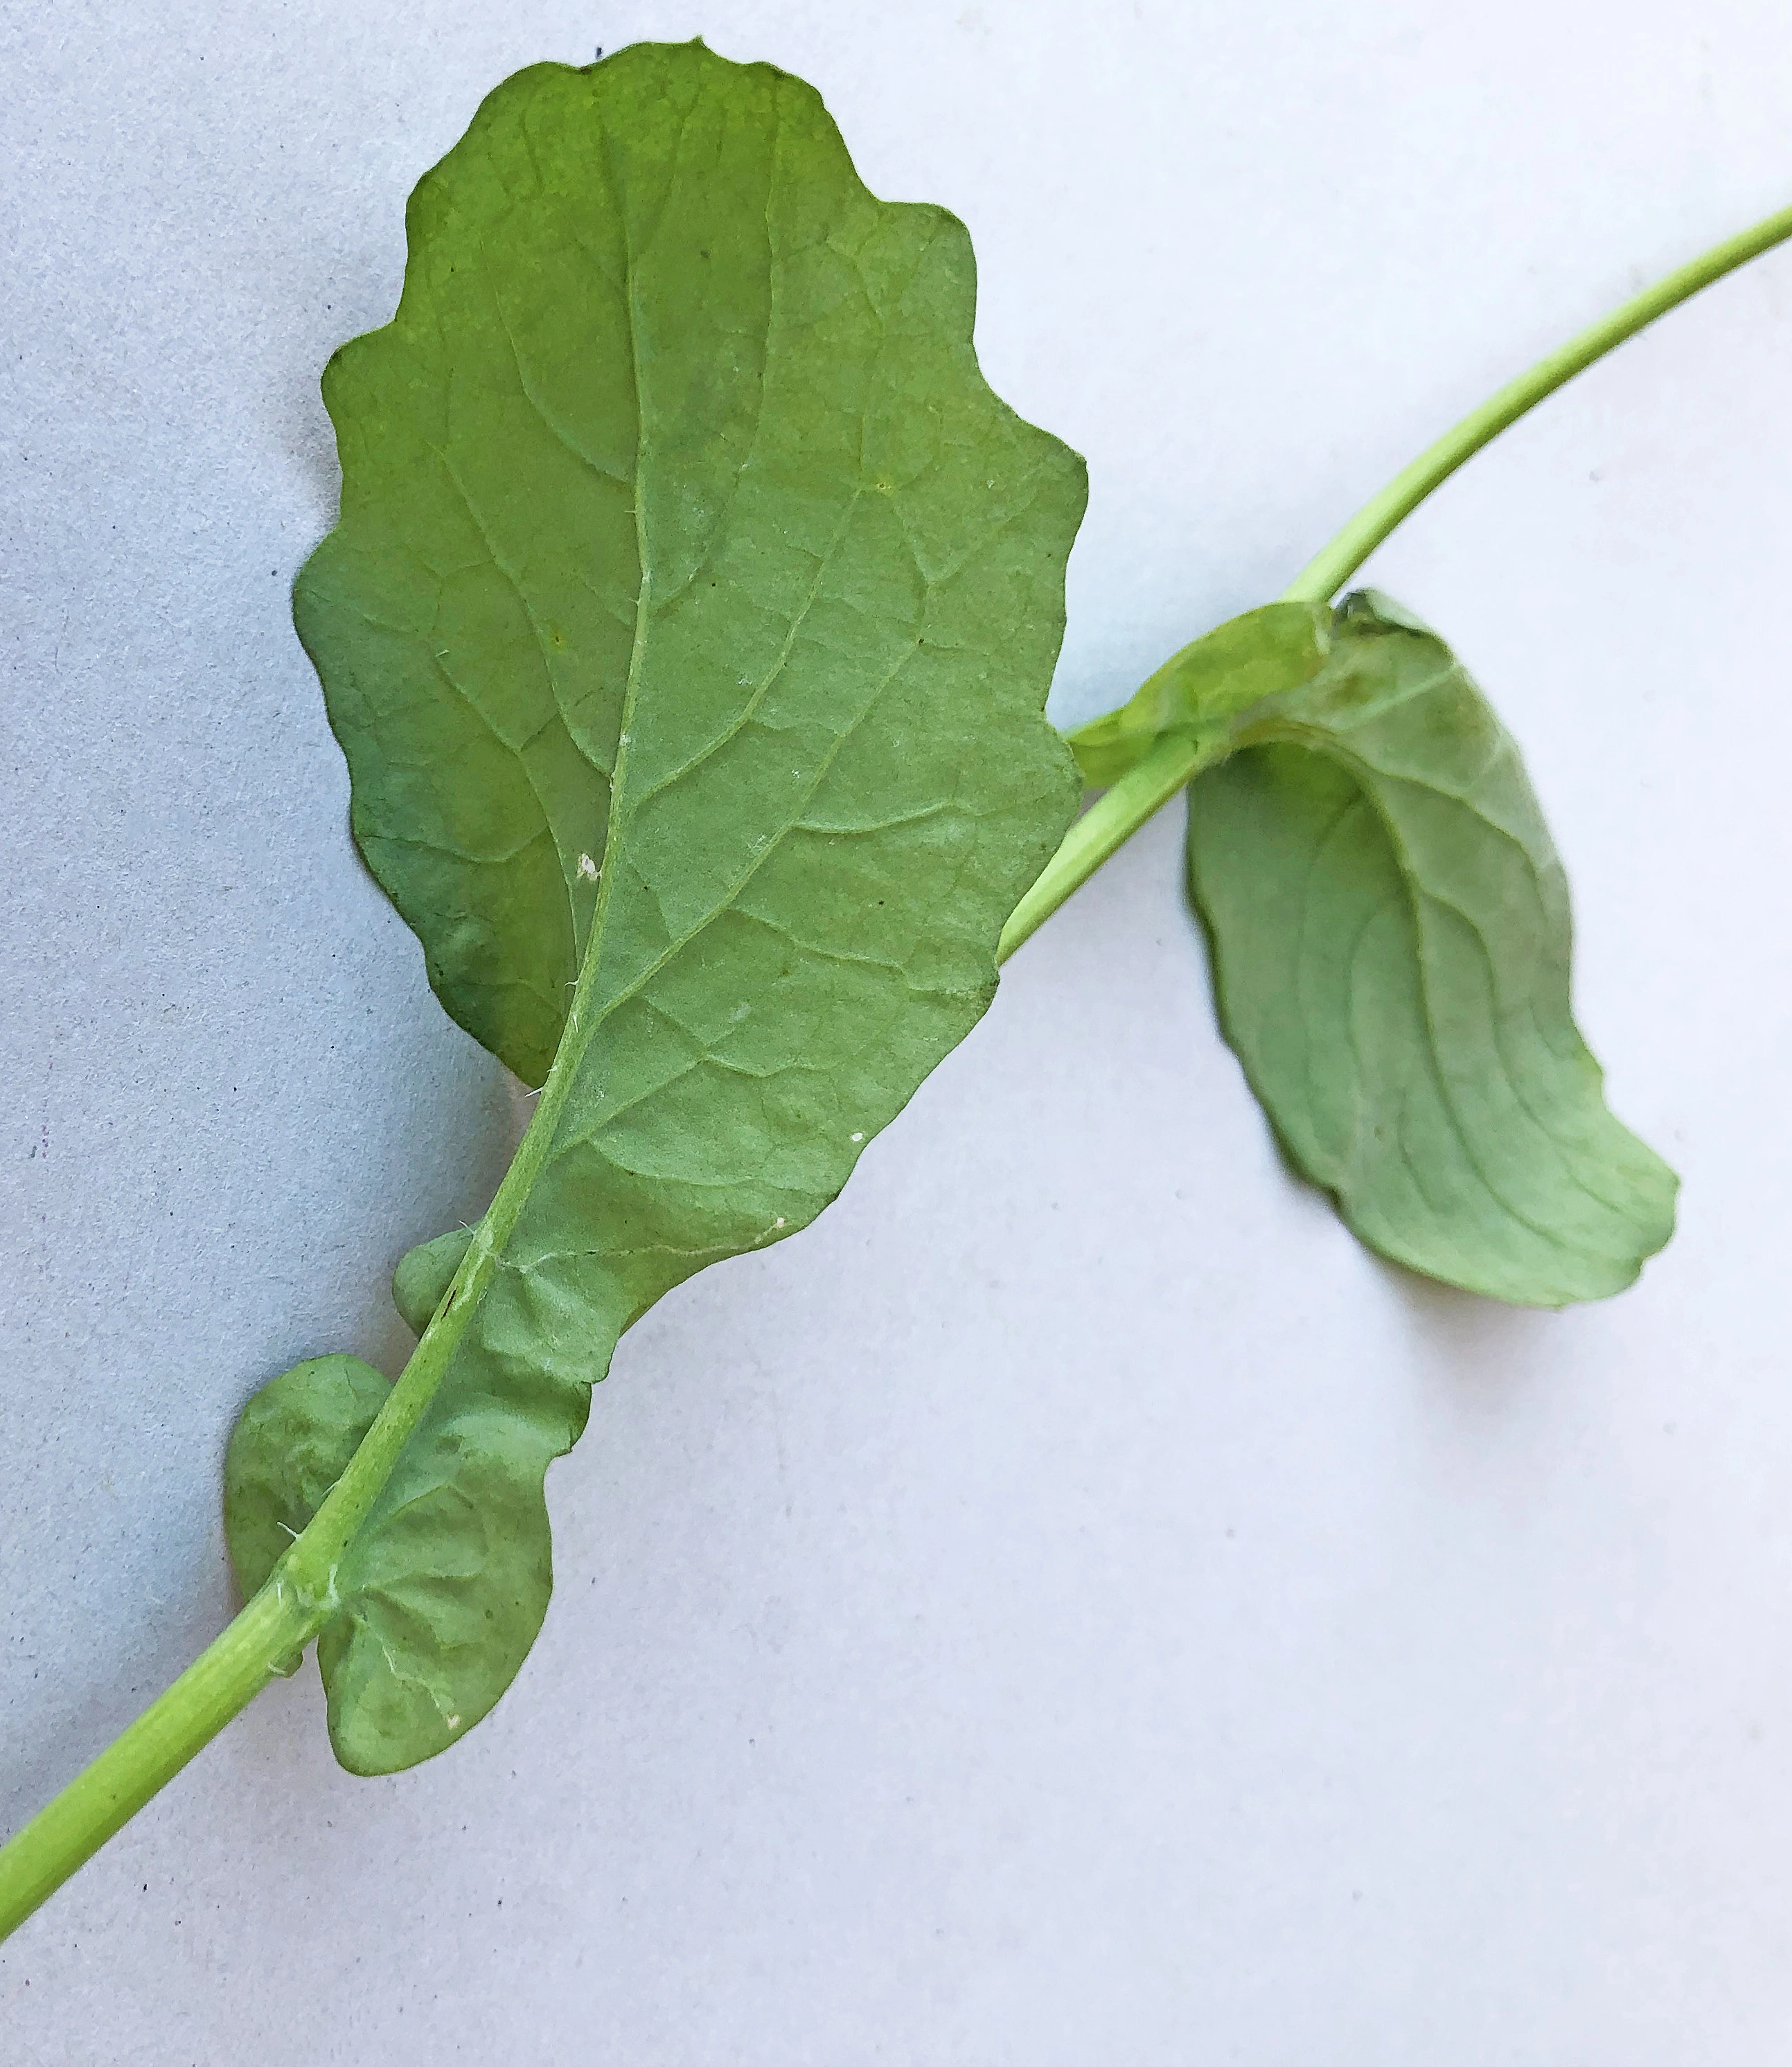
1391 937
1199 693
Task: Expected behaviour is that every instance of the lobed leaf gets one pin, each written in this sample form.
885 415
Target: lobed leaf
689 619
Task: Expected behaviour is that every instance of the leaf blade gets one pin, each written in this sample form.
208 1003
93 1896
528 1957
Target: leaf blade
291 1442
1391 946
780 824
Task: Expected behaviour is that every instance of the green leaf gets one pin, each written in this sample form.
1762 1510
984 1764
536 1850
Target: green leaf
1390 929
1198 693
421 1282
290 1444
687 629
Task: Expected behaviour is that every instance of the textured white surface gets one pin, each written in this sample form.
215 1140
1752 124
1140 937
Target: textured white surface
1072 1606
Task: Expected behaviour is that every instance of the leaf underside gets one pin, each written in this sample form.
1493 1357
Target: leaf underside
1391 937
692 607
291 1442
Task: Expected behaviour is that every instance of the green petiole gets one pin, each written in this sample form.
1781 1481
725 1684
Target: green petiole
288 1611
1118 814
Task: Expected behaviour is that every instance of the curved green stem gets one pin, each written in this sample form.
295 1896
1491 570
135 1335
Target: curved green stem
300 1592
220 1683
1327 571
1171 764
312 1564
1119 813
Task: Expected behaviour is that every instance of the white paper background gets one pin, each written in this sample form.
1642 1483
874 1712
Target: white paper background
1072 1606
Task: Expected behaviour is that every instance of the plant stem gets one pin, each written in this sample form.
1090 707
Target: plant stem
220 1683
300 1592
1329 570
311 1565
1119 813
1113 819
